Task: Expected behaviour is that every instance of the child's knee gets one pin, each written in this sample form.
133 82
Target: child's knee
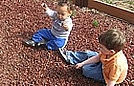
88 71
85 71
52 46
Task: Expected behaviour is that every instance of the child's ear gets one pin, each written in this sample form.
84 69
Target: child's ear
112 52
70 12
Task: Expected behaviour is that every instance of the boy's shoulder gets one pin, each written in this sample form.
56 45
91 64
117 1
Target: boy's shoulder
117 58
121 58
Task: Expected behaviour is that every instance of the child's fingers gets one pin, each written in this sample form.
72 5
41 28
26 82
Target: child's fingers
44 5
77 66
64 25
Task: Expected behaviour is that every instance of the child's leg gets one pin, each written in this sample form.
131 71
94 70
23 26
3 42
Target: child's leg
55 44
76 57
93 71
89 70
42 33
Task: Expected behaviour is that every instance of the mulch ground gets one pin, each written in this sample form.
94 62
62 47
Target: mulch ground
27 66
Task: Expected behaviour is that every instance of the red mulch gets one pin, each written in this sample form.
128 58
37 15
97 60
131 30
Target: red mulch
26 66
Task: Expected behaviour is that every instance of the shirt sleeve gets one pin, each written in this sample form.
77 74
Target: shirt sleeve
114 73
51 13
69 24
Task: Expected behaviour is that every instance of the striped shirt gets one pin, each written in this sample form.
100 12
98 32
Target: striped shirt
57 29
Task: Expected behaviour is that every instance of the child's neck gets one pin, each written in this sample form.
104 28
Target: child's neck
110 55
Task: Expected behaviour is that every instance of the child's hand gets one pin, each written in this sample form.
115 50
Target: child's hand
44 6
78 65
64 25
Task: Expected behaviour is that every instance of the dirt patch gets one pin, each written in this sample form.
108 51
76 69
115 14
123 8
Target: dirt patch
21 65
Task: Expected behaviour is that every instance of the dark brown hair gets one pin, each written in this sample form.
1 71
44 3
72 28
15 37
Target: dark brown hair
112 39
70 7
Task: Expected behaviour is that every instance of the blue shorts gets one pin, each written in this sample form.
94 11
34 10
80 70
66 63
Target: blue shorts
93 70
53 43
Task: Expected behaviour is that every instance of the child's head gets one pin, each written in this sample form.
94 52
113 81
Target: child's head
112 39
64 9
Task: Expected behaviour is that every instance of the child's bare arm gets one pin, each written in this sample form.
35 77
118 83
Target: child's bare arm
110 83
48 11
93 59
44 6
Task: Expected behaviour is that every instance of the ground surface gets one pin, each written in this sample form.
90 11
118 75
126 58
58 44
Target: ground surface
27 66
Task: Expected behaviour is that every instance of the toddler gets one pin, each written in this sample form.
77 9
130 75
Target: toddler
57 36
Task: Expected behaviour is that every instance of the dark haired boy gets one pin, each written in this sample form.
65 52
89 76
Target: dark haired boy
109 65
